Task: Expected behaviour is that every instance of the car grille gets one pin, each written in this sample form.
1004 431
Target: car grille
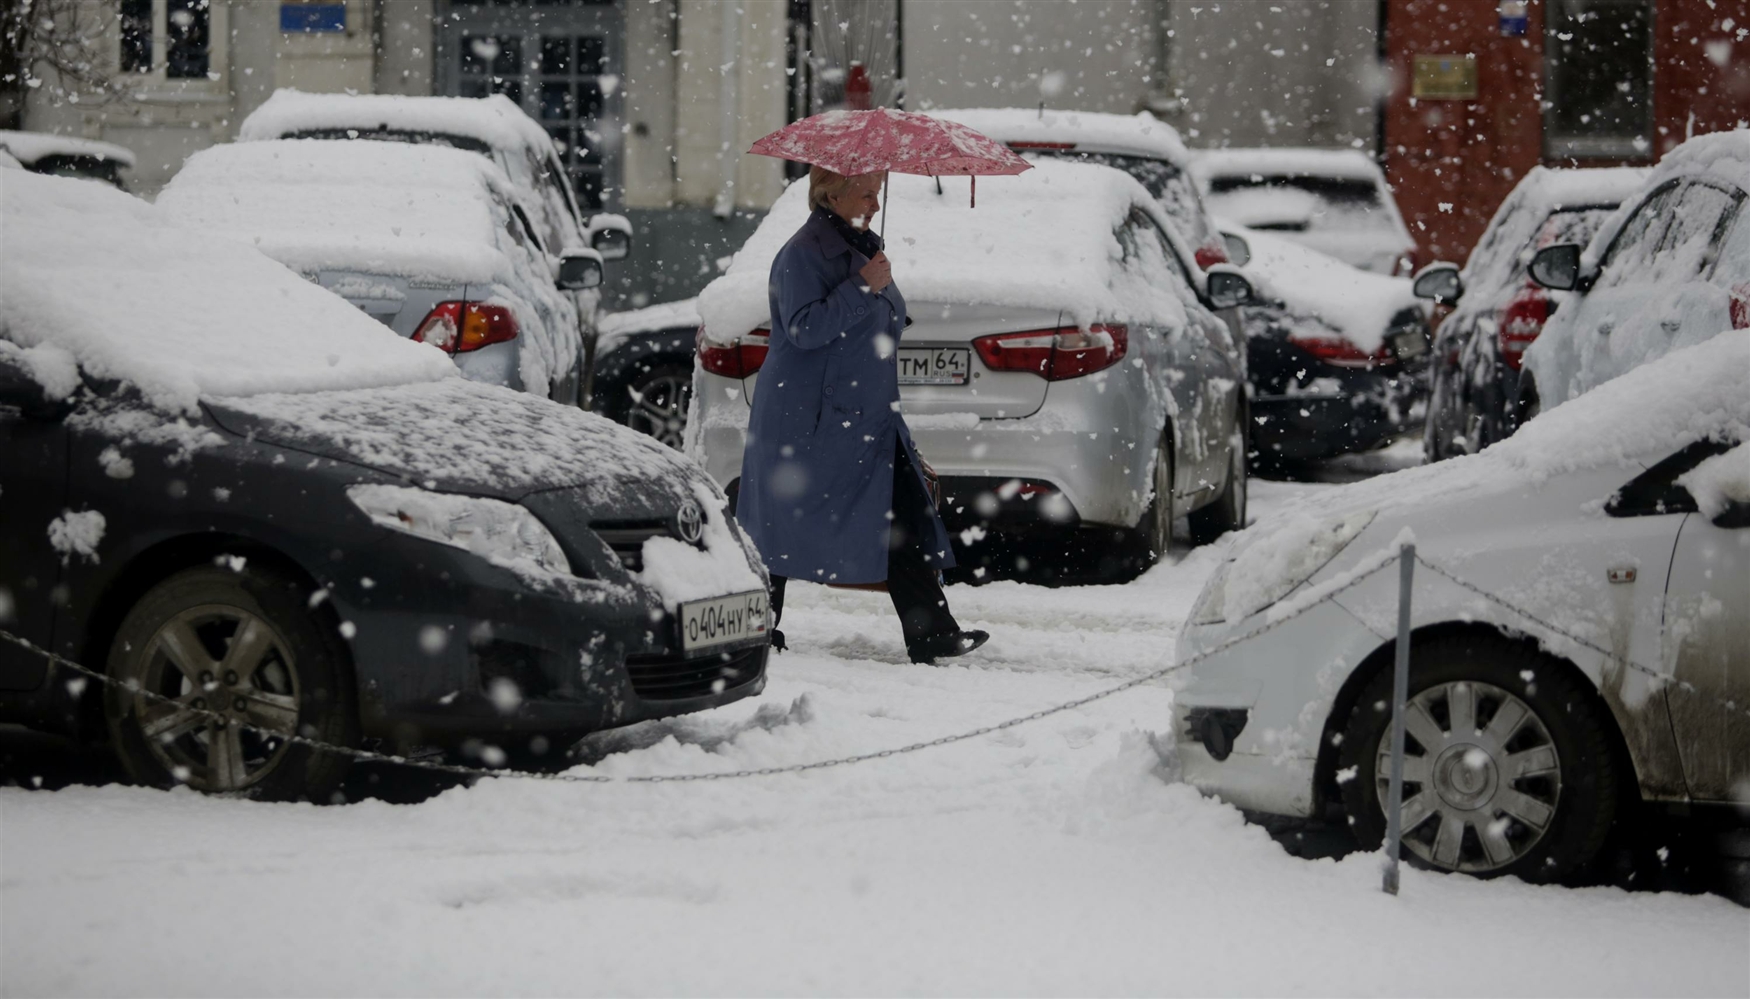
666 678
627 537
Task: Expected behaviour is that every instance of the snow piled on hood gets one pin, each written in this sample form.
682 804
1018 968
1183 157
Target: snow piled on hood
181 316
1140 134
1356 303
494 120
385 207
471 436
1645 415
1044 239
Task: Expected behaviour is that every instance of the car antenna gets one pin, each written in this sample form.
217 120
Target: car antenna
1041 110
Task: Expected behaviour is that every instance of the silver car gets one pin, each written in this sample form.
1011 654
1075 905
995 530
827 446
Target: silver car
432 242
1078 382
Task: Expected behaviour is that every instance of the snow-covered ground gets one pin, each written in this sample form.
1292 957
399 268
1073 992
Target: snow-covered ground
1057 857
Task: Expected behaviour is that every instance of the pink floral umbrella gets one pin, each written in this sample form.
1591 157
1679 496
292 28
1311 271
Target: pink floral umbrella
861 142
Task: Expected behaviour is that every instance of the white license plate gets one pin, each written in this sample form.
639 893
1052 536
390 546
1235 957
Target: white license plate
721 620
934 365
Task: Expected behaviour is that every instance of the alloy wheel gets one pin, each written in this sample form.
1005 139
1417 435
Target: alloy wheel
1482 778
659 408
232 696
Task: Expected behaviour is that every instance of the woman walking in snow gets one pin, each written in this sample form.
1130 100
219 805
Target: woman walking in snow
832 488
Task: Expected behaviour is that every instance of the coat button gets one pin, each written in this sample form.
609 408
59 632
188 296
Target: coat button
829 390
861 311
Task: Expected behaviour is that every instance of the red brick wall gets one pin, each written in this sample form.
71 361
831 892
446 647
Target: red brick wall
1467 156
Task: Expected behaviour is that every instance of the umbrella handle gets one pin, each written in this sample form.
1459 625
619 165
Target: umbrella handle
884 179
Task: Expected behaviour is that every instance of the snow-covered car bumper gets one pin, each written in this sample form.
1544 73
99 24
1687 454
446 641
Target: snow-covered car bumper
1081 459
1248 719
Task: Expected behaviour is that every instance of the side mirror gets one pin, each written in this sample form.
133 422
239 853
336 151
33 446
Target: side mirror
1228 288
1440 282
611 235
1557 267
1239 252
580 270
612 244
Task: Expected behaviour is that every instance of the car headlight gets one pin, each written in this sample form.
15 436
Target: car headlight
502 533
1273 564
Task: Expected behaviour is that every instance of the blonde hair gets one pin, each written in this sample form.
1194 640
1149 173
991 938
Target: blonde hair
824 184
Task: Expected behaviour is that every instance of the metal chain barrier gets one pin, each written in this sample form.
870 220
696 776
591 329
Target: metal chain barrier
369 756
366 755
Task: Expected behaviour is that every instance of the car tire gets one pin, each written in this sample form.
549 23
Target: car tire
1156 526
658 401
290 674
1526 406
1461 811
1228 511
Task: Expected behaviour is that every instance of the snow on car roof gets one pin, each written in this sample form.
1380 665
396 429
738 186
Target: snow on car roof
653 318
1350 163
386 207
1043 239
494 120
28 147
1140 134
182 316
1359 304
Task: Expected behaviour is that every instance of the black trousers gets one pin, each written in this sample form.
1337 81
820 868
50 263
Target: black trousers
913 583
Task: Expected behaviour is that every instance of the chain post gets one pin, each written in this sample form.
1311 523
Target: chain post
1400 692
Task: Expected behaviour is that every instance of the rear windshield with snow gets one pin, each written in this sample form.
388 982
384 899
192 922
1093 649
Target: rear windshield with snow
1300 203
1497 266
1169 185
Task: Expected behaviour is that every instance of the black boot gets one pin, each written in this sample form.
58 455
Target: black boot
954 643
778 641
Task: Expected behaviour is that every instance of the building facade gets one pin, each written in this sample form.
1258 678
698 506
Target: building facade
654 101
1483 92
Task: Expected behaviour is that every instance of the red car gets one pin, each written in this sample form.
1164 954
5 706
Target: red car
1477 350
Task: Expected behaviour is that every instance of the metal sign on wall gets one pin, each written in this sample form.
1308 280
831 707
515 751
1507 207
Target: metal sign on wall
1444 78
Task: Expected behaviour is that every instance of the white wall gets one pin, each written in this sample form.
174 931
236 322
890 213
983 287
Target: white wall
1093 55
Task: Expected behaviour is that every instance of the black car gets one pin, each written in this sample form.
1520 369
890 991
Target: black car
1316 391
351 567
644 368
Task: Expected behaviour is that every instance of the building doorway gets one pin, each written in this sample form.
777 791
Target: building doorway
562 62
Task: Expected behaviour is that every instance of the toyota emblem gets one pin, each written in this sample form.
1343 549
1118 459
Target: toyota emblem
689 523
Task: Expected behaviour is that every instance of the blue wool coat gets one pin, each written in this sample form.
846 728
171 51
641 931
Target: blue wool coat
817 473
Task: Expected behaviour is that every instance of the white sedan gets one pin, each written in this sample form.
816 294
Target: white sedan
1581 633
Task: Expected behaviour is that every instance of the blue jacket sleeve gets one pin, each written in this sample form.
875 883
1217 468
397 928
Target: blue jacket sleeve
816 313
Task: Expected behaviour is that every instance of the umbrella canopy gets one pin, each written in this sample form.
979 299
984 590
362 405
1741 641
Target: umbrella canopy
860 142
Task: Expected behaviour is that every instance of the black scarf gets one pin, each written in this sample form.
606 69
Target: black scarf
864 241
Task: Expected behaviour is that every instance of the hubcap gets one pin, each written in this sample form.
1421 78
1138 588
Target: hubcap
1481 776
232 691
659 408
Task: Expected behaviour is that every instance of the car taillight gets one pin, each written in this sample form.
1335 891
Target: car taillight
1209 256
458 327
1055 355
737 358
1340 352
1521 321
1741 306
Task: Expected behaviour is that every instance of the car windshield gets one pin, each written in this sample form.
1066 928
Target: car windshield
1300 202
396 135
